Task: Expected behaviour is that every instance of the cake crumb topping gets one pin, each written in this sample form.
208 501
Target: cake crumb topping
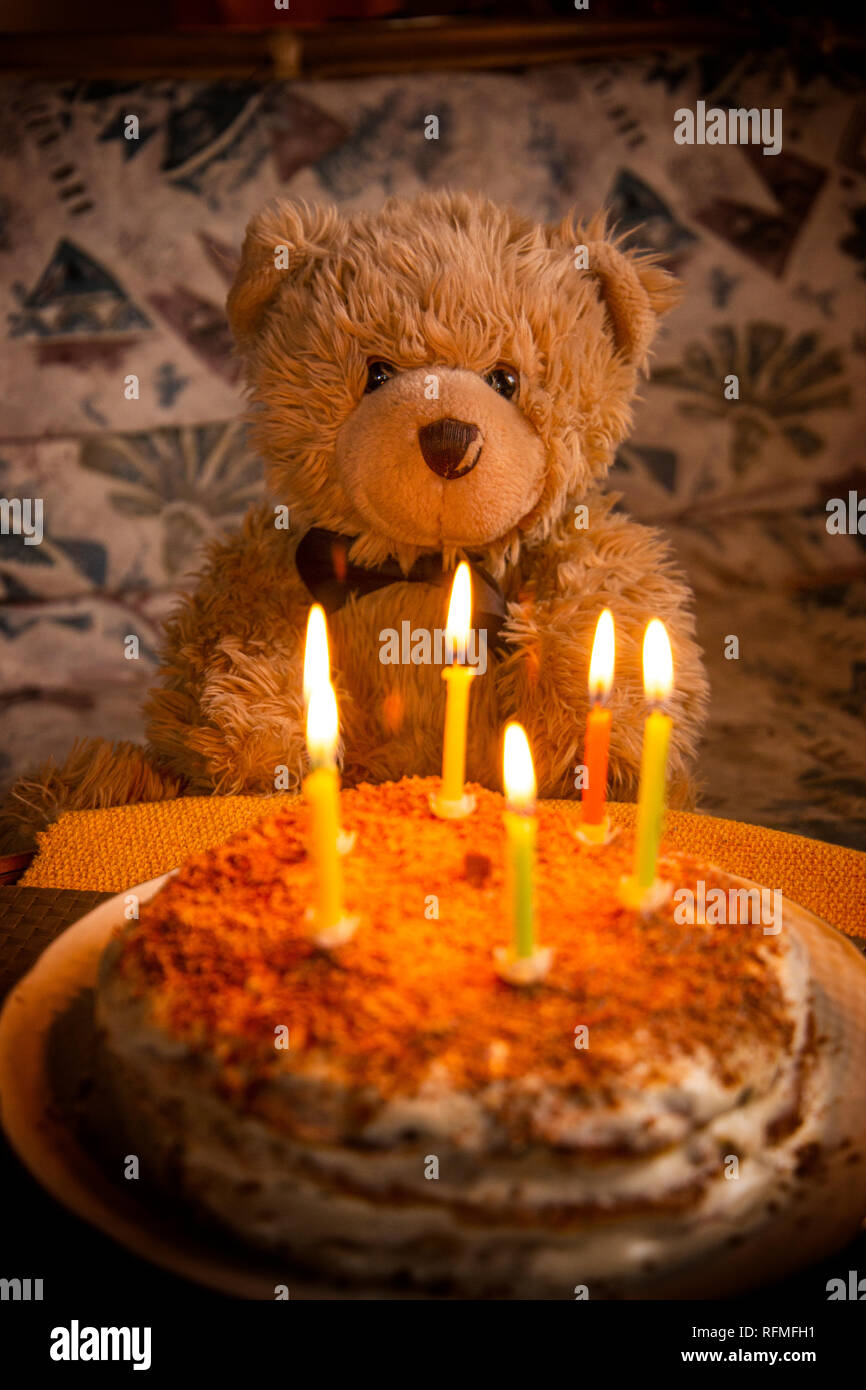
224 956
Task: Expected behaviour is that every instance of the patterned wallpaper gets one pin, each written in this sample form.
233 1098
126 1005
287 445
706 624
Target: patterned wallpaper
115 257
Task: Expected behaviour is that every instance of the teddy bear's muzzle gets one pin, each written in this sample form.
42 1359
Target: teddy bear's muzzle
450 447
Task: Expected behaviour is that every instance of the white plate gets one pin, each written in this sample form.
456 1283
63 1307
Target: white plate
48 1147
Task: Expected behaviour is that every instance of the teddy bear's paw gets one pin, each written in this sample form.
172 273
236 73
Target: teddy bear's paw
95 774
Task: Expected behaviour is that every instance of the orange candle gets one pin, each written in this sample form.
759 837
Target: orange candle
593 820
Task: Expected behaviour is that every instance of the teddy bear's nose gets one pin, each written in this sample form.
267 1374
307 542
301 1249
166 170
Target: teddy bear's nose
446 446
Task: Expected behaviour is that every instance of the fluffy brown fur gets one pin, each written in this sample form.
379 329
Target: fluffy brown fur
445 286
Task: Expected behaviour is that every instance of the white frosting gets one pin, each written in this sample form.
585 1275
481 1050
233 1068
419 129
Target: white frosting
587 1202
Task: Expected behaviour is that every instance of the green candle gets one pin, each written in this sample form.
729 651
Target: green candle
521 832
651 801
658 678
520 829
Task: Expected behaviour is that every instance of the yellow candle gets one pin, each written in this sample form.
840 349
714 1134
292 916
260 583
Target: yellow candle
651 801
643 889
322 790
317 659
452 802
458 680
317 669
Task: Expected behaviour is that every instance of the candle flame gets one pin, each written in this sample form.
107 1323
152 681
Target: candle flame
601 661
317 663
460 611
323 724
658 663
518 774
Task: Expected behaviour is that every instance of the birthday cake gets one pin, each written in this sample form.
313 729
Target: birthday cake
393 1114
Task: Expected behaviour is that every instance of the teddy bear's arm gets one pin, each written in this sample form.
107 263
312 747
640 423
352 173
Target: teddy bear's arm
621 565
227 715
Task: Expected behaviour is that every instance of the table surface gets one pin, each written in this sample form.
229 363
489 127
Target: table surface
42 1240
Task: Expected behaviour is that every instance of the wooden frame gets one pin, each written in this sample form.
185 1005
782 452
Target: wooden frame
356 49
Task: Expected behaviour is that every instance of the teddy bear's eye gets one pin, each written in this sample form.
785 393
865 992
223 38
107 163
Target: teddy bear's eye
377 374
504 380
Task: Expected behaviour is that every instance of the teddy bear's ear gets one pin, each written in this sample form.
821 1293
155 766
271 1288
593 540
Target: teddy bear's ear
282 240
635 290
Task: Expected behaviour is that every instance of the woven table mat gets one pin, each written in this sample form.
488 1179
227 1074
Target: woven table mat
30 919
111 848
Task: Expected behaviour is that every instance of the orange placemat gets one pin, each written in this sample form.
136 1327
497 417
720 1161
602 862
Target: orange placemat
110 850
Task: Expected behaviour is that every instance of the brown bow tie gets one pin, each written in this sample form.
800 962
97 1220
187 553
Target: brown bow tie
322 560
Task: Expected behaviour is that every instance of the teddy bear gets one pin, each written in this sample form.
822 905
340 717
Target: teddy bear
441 379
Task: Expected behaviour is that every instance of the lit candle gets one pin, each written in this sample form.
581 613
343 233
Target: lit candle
643 889
317 661
594 823
322 791
524 964
452 801
317 668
